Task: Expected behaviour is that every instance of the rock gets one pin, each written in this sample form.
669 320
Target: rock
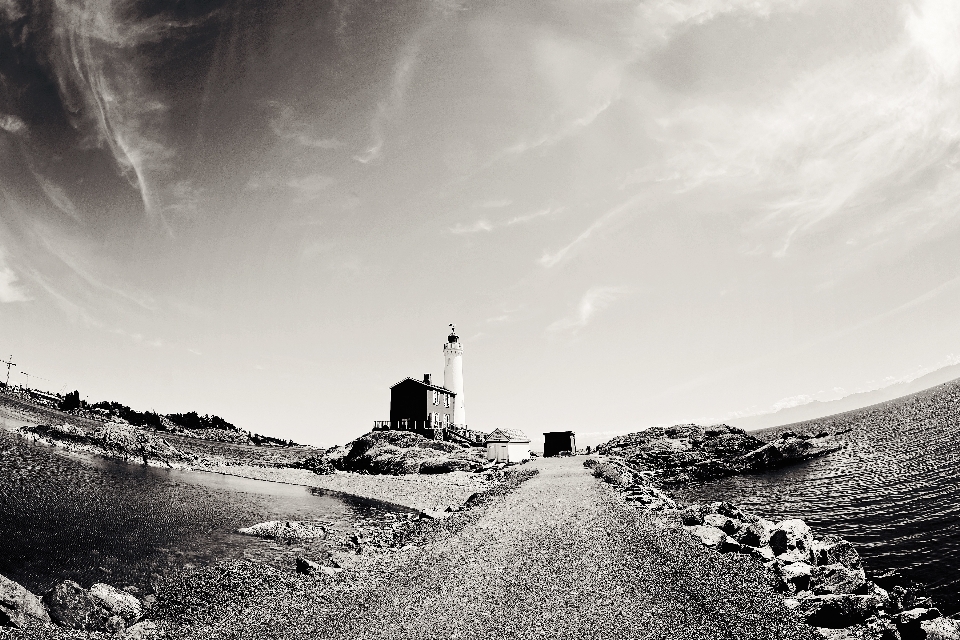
941 629
307 567
715 538
791 603
711 470
791 540
903 599
117 603
836 578
709 536
916 615
691 516
767 456
763 554
789 449
72 606
725 524
837 611
146 630
795 577
19 607
756 534
835 550
286 530
880 629
880 594
848 633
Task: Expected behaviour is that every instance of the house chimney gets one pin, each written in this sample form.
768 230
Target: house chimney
426 378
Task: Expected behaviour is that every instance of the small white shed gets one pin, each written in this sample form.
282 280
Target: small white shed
508 445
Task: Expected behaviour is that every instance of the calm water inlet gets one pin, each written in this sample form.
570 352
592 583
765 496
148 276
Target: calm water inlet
93 520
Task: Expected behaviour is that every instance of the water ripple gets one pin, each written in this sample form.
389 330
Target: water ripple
894 490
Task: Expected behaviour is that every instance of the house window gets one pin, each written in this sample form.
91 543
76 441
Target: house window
446 401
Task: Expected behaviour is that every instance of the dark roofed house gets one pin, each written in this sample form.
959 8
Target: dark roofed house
420 405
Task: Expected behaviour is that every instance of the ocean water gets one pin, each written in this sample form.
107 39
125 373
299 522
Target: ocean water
89 519
894 490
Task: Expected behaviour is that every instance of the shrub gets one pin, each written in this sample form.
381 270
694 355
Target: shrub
614 474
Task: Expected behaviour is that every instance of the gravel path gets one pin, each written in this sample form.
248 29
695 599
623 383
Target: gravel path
561 557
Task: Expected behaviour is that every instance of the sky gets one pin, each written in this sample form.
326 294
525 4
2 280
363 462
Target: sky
635 212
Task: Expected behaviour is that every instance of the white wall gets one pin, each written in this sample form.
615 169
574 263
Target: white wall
508 452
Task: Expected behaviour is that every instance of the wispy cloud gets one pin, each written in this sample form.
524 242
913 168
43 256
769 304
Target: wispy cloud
486 225
549 260
310 187
288 127
10 290
563 131
592 302
12 124
870 140
393 103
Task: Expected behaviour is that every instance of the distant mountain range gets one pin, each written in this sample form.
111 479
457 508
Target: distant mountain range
818 409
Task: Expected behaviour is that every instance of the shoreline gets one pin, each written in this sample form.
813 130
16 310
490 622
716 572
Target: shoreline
821 577
421 493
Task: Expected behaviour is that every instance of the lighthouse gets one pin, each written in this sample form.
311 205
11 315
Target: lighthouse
453 375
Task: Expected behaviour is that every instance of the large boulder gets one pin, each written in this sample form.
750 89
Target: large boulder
836 578
728 525
941 629
756 534
833 549
19 607
795 577
791 540
117 603
837 611
286 530
73 607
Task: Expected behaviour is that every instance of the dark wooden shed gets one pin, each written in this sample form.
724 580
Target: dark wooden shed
556 442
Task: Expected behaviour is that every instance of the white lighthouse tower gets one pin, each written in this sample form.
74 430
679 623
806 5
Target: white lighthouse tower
453 375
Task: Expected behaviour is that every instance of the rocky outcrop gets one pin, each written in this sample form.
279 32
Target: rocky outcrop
101 608
18 607
286 530
404 452
690 452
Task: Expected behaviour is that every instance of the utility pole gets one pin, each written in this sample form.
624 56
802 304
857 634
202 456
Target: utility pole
9 364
